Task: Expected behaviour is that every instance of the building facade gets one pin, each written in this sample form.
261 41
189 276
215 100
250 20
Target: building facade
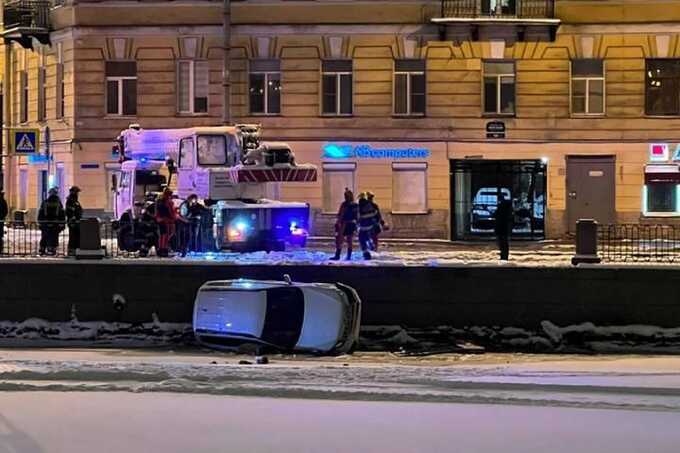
571 108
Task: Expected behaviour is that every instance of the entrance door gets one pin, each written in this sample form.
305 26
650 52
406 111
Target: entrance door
591 192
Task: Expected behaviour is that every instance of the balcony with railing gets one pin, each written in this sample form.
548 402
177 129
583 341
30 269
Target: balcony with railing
510 20
519 9
26 19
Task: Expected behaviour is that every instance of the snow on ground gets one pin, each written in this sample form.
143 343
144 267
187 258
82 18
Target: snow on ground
401 253
112 422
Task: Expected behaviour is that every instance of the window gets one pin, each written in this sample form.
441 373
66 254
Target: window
42 94
193 81
336 87
212 150
60 90
498 7
663 87
23 107
587 87
284 316
337 177
186 153
409 87
265 87
409 188
662 198
499 88
121 88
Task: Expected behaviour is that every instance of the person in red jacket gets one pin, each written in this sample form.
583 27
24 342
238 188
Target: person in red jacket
166 217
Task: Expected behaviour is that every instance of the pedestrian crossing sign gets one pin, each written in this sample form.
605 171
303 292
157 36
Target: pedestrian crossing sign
25 141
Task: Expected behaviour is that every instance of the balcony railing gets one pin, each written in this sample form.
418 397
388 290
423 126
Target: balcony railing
520 9
28 14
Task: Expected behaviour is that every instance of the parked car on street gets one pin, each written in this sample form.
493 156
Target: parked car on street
287 316
484 207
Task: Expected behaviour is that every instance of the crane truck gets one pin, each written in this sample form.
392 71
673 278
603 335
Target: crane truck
229 169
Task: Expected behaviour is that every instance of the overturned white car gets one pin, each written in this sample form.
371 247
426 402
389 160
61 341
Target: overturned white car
281 315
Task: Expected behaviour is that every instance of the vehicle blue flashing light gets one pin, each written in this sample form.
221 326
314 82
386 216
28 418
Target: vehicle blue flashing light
241 226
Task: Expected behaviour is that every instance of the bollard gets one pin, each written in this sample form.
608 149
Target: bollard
90 240
586 242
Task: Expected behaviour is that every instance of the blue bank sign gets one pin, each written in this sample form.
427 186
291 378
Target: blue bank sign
364 151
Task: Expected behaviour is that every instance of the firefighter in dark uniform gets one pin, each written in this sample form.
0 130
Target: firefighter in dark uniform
51 218
74 213
503 227
367 223
346 225
379 224
4 210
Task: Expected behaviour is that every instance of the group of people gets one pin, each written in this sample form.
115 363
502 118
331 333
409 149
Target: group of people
53 218
363 217
159 224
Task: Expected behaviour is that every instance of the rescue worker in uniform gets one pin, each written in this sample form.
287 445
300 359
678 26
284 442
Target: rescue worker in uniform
379 224
4 210
166 216
346 225
51 218
192 212
74 213
503 227
367 219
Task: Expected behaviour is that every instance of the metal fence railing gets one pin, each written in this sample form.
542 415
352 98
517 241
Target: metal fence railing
26 14
138 239
639 243
523 9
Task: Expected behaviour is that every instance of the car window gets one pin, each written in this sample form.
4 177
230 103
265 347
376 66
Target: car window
212 150
285 313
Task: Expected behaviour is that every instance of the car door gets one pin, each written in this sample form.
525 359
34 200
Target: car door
186 184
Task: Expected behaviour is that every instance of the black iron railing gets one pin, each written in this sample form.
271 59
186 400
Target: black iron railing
31 14
54 239
639 243
522 9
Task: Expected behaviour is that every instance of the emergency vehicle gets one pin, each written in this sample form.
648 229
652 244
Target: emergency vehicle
229 169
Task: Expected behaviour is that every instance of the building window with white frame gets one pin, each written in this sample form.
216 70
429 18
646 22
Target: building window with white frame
337 177
121 88
264 87
409 188
336 87
409 87
499 87
193 82
587 86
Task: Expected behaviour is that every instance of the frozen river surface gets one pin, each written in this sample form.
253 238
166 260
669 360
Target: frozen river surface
141 401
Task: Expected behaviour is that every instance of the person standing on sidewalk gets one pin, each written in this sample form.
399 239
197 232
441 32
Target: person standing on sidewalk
346 225
4 210
379 224
367 220
74 214
503 227
166 216
51 219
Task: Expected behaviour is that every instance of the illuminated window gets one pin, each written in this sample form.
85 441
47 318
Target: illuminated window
663 87
587 87
265 87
